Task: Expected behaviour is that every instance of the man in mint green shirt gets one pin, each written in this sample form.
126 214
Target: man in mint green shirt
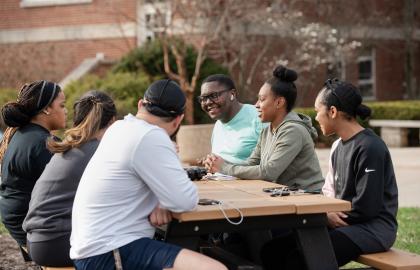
238 126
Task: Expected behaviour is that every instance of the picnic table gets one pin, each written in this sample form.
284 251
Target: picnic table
304 213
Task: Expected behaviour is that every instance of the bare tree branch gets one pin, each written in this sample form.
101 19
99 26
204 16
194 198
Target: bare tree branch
258 59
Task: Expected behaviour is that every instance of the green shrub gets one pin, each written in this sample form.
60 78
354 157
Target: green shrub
401 110
125 88
149 59
6 95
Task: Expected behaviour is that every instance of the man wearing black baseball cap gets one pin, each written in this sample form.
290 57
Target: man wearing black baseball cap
133 177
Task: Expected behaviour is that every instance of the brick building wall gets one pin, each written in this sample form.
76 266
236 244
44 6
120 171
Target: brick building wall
96 12
26 62
47 42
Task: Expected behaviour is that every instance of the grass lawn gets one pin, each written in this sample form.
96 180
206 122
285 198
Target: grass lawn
408 237
2 229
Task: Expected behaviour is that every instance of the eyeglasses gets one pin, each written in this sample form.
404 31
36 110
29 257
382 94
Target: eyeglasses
213 97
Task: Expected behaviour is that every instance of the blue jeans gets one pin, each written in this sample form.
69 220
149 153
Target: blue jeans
141 254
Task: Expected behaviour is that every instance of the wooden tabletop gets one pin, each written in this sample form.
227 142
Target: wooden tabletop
248 196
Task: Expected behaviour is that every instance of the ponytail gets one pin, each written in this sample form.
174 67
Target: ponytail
93 112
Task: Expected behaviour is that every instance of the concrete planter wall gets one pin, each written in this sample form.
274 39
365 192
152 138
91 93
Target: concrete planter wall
194 142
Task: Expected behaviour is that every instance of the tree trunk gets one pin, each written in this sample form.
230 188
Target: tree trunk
189 109
409 51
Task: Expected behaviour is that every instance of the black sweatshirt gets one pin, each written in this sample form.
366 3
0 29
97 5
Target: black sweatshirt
364 175
23 163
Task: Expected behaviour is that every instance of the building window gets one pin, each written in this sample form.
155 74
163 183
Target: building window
40 3
155 21
366 79
155 16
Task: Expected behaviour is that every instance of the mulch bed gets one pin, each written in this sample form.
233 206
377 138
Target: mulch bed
10 257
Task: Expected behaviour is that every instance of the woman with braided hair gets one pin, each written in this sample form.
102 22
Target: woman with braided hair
48 223
38 110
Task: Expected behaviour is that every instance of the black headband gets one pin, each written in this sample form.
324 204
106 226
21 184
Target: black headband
49 91
340 91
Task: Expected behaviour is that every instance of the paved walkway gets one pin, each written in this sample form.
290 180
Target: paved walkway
407 169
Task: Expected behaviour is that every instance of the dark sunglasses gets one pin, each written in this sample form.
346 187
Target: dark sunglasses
213 97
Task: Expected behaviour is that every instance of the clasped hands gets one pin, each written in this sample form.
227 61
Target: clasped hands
212 163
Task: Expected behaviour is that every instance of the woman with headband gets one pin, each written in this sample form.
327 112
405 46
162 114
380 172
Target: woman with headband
38 110
361 172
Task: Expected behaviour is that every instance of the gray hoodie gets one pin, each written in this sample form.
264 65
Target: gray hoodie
286 156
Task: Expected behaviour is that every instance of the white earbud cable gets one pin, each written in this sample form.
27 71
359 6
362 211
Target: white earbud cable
227 218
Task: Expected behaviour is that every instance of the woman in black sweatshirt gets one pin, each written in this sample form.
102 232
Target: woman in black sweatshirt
38 110
361 172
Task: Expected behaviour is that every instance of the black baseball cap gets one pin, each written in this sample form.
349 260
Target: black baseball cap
164 98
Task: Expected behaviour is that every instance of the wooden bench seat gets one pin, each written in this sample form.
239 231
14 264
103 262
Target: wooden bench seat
395 132
393 259
58 268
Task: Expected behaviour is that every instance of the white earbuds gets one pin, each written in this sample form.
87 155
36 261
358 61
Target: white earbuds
46 112
231 97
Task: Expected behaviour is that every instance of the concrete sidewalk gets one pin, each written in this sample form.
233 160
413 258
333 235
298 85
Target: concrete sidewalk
407 169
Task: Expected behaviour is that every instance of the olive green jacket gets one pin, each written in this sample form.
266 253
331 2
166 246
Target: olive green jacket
286 156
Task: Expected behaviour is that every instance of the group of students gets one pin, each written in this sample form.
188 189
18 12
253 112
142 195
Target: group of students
94 198
282 151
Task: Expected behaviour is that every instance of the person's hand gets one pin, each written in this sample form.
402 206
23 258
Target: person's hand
207 161
200 161
335 219
160 216
213 163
